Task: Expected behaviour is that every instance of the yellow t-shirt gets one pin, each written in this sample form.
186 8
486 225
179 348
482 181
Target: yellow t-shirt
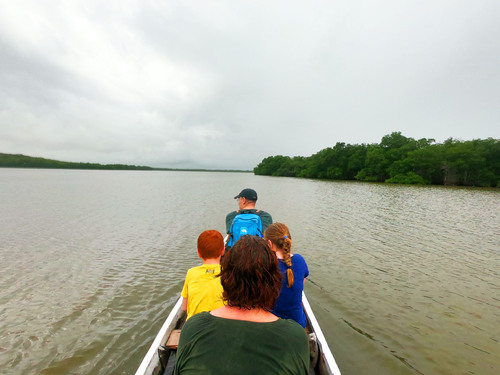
202 289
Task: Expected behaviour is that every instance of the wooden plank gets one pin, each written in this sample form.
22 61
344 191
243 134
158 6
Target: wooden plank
173 340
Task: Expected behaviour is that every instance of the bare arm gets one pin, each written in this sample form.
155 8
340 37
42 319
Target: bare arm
184 303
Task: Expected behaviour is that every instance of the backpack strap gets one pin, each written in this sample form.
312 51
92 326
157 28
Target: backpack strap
257 213
237 212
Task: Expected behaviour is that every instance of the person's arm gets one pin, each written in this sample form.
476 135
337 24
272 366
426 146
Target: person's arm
184 303
229 220
306 269
184 293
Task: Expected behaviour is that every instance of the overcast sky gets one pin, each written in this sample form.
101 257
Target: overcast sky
224 84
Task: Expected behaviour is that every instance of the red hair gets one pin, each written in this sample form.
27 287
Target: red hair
210 244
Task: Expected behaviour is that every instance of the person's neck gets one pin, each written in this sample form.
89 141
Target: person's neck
211 261
280 254
248 207
237 313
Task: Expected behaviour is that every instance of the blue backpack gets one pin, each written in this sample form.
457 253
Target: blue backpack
244 224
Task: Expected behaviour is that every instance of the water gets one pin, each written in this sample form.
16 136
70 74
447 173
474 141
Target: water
404 280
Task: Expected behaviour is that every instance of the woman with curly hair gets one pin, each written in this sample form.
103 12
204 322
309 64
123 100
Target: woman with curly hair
243 336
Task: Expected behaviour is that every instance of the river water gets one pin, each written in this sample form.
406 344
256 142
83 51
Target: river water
403 279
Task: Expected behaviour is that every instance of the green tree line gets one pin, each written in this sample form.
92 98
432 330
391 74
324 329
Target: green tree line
397 159
23 161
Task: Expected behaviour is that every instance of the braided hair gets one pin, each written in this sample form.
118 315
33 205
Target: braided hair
279 235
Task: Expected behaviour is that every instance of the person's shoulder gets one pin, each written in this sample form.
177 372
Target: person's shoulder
193 326
298 257
296 338
202 316
197 319
266 216
195 270
292 328
262 213
300 264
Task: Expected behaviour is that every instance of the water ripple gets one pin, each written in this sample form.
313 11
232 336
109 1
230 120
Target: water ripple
92 262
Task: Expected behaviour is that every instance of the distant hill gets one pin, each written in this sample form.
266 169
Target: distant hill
23 161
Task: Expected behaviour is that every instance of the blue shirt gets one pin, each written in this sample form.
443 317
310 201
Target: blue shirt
289 304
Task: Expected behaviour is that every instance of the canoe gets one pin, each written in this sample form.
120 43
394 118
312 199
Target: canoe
160 358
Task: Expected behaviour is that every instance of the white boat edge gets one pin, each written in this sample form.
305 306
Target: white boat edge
325 349
168 326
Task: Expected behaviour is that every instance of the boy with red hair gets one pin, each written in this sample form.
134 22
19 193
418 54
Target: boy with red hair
202 290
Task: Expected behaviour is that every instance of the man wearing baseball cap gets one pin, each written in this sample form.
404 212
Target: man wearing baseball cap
246 203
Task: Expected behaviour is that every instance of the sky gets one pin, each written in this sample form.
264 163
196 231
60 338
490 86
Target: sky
224 84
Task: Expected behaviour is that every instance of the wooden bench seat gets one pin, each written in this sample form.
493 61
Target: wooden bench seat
173 340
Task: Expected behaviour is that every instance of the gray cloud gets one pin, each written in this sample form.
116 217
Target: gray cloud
224 84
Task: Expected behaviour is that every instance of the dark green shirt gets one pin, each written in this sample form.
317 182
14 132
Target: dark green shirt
213 345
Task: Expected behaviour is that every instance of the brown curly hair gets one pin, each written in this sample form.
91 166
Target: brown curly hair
250 275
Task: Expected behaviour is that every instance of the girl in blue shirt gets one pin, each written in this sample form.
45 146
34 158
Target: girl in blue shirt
294 270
